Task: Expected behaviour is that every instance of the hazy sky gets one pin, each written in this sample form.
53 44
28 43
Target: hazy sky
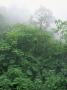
58 7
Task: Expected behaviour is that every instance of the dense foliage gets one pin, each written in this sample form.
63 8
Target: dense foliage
32 59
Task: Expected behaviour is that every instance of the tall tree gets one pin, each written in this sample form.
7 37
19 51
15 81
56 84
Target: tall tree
42 17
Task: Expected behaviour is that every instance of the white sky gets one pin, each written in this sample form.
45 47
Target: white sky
58 7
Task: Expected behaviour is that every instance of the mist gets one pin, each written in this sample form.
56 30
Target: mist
20 11
58 7
15 14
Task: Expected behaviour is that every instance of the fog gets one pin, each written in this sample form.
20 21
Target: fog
21 10
15 15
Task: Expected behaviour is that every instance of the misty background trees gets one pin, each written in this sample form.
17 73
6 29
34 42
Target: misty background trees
31 57
43 18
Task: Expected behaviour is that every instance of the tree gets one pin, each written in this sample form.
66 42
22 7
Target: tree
61 29
3 23
42 17
32 59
